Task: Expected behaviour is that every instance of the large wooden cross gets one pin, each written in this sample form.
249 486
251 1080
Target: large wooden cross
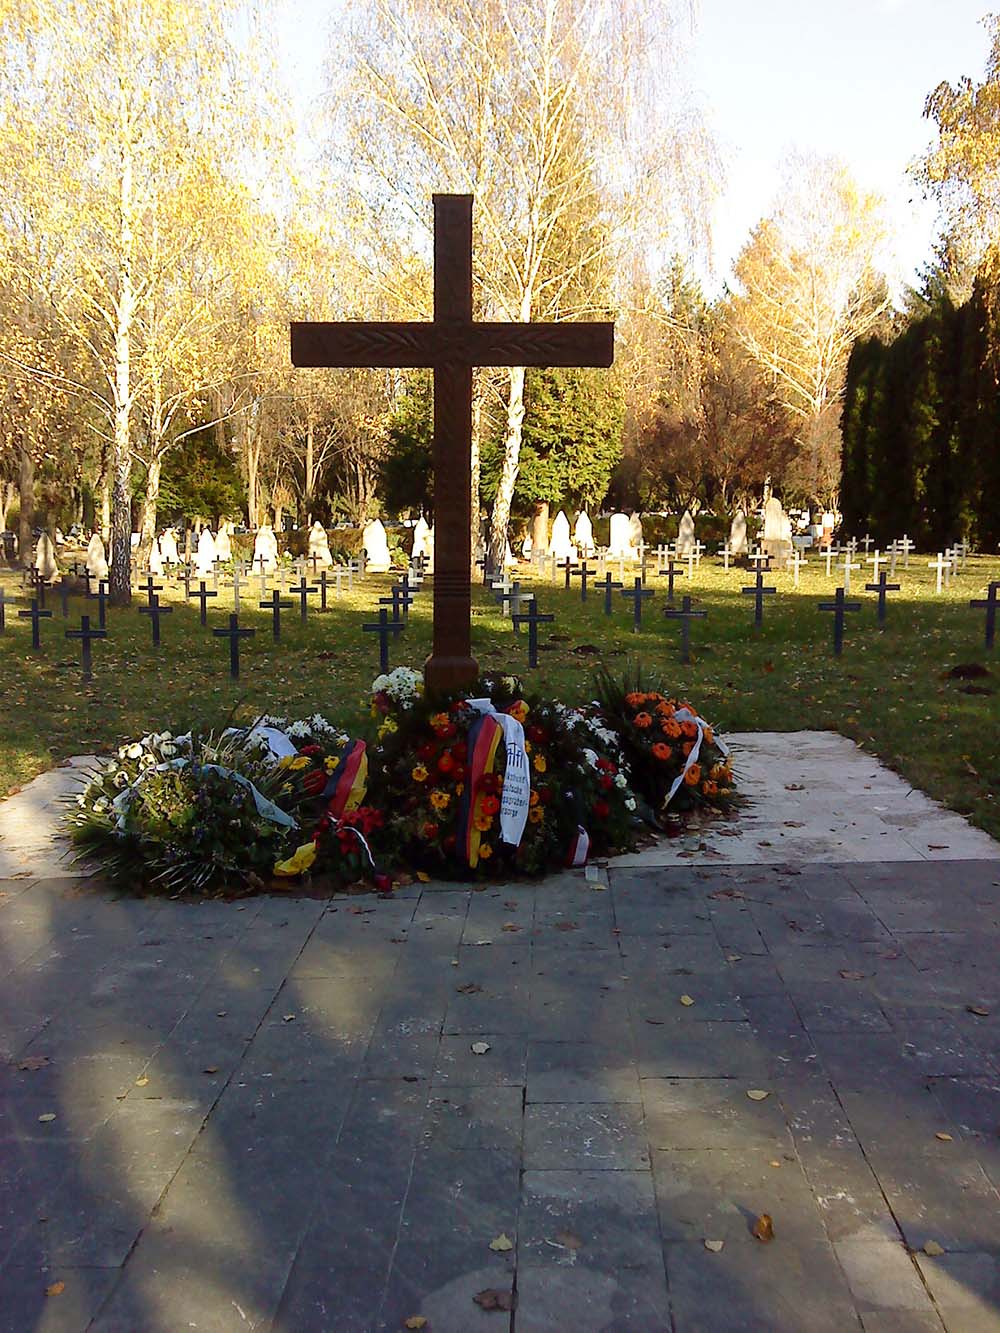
451 345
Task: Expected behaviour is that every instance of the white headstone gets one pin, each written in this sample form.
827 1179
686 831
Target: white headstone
223 546
685 534
738 534
619 545
206 557
560 545
319 546
97 561
583 534
635 536
776 540
136 539
421 533
155 559
168 547
376 545
265 548
45 558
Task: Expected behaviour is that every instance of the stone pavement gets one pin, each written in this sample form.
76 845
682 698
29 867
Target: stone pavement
277 1114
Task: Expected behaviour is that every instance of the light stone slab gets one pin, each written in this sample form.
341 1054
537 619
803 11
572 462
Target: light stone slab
815 796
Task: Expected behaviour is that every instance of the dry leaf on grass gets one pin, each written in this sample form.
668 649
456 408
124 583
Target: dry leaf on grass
757 1094
32 1062
763 1228
141 1082
492 1299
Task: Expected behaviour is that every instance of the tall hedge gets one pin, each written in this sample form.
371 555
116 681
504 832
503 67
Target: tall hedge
921 428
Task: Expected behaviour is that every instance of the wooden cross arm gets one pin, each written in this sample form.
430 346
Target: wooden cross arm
404 345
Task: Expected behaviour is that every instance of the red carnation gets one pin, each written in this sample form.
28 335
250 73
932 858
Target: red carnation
311 750
445 763
314 781
601 809
606 782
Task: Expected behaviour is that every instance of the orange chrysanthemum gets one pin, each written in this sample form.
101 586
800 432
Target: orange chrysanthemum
693 776
671 728
690 729
643 720
662 752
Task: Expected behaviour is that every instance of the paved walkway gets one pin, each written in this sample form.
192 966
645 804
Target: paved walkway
279 1114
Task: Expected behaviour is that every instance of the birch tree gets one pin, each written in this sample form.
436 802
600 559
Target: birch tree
544 110
113 113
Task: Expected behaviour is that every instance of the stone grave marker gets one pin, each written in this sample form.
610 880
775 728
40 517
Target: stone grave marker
560 544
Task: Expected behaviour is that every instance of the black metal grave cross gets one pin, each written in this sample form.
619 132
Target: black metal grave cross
989 603
383 629
637 594
35 616
85 634
102 603
568 567
532 619
303 591
154 610
608 584
882 587
672 570
275 605
583 572
234 634
839 607
150 589
685 615
203 595
758 592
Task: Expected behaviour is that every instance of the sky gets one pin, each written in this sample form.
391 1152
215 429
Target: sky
842 77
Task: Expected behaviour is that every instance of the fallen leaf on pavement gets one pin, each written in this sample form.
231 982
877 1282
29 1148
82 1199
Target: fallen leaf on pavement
211 1069
757 1094
945 1138
734 957
288 1018
568 1240
850 975
480 1047
687 1001
492 1299
31 1062
415 1320
141 1082
763 1228
510 926
714 1245
56 1289
47 1117
933 1249
502 1243
470 988
976 1009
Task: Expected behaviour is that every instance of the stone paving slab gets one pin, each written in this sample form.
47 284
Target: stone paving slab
279 1114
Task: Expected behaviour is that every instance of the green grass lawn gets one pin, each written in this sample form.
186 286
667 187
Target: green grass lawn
889 691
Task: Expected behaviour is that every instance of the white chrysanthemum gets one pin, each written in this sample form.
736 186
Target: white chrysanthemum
101 804
630 803
167 750
133 751
621 781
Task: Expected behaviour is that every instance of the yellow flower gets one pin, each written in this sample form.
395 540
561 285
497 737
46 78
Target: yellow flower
485 851
533 799
285 761
440 800
536 814
459 788
419 774
286 786
329 764
540 763
527 747
300 761
519 710
483 823
440 720
302 860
